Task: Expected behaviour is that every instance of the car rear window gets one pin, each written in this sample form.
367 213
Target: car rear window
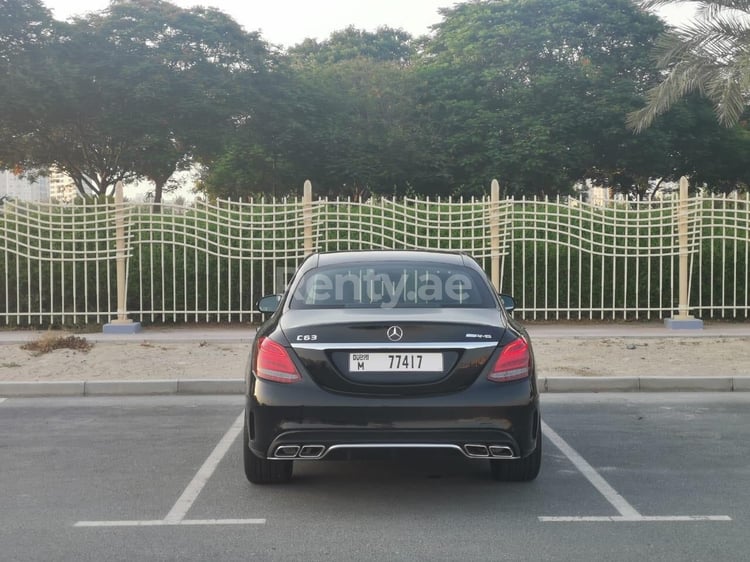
392 285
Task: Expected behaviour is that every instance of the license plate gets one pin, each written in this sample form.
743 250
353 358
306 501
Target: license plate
395 362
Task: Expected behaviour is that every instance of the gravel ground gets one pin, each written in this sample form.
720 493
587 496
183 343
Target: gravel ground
605 356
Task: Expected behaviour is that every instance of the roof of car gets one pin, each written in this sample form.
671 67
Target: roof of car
334 258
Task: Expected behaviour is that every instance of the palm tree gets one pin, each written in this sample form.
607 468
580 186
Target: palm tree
709 55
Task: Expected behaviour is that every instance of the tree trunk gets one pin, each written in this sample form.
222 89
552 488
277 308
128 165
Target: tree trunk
158 194
656 188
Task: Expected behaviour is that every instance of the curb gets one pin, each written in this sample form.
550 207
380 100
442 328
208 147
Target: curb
589 384
237 386
644 384
122 388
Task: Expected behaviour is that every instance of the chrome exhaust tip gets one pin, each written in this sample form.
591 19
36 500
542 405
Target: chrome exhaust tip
286 451
311 451
473 450
501 451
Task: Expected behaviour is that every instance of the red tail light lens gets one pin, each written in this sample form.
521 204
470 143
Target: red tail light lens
513 364
272 363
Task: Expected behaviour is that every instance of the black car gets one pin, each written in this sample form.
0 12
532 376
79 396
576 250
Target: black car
385 350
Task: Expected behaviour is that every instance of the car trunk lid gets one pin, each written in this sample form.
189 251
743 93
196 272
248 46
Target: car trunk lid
403 352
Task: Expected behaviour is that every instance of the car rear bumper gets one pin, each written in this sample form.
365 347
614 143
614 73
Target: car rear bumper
301 421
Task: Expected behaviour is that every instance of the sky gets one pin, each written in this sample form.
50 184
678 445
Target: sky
288 22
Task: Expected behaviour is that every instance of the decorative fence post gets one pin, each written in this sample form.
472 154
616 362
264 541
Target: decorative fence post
122 325
307 216
683 319
495 233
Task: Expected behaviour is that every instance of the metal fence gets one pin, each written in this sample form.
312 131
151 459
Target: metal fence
210 262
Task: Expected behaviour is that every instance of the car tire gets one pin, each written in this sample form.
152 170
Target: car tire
263 471
519 470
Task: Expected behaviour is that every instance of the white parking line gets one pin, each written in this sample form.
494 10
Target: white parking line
164 523
176 515
627 512
639 519
618 502
2 400
188 497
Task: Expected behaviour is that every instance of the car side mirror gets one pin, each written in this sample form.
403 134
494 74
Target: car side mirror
508 302
268 304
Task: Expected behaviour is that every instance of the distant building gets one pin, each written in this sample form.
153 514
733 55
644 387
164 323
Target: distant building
16 187
600 196
61 187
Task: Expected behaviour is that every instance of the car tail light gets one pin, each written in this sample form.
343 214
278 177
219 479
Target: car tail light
272 363
513 364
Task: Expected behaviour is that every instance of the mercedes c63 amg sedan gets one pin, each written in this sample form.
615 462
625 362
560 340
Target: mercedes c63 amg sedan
388 350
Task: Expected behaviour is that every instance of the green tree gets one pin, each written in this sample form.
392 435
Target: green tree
686 141
342 113
53 108
710 55
204 70
136 91
22 23
263 156
385 44
534 93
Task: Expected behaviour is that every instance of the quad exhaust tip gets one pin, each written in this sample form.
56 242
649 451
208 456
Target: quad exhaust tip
501 451
311 451
303 452
287 451
493 451
476 450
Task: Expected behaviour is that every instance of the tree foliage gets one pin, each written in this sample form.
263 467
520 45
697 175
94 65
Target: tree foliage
534 93
131 92
23 23
710 55
385 45
341 112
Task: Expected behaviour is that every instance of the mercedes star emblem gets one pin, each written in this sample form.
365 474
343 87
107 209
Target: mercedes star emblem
395 333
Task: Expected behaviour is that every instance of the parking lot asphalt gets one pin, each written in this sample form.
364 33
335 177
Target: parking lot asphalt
624 477
244 333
